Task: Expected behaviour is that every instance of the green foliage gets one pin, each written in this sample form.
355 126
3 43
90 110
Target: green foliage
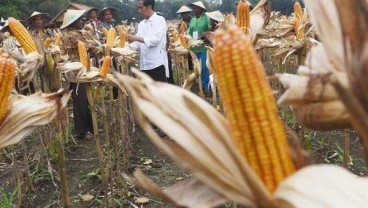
7 201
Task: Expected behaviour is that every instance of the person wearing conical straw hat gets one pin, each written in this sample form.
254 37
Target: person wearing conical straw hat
36 20
107 15
199 24
216 17
184 12
72 24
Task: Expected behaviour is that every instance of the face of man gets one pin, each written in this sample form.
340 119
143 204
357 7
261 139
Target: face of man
143 10
78 24
197 11
38 21
213 23
108 16
185 16
93 14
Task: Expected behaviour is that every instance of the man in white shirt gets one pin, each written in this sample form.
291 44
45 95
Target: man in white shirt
151 41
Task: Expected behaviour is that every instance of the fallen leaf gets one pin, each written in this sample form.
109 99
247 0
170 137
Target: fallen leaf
148 162
87 197
142 200
179 178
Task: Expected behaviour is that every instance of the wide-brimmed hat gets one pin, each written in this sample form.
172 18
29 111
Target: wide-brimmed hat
36 14
216 15
71 16
198 4
113 11
92 9
183 9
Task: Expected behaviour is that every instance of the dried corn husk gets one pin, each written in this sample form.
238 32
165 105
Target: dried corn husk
28 112
33 62
303 89
321 186
323 116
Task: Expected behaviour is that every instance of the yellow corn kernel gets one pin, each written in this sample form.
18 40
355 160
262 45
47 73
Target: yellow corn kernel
175 37
250 107
105 66
22 35
110 38
83 56
7 73
299 29
47 42
183 27
123 36
243 16
57 40
298 11
105 31
183 42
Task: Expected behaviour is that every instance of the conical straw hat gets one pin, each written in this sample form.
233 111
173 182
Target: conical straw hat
183 9
35 14
199 4
216 15
71 16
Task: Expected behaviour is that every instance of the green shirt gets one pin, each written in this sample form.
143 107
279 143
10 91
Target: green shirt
199 25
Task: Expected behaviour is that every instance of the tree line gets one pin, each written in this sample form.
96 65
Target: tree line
21 9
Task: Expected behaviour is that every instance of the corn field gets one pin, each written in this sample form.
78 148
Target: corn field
285 123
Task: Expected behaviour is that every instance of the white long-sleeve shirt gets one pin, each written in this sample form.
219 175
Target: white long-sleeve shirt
153 51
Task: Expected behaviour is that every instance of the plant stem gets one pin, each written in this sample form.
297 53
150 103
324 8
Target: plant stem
346 149
98 142
61 163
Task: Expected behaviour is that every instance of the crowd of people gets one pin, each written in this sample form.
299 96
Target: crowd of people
149 37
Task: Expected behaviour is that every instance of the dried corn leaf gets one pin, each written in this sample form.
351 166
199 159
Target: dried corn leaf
28 112
322 186
323 116
189 193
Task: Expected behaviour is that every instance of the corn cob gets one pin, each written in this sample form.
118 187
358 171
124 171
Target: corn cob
299 30
175 37
47 42
250 107
183 42
298 10
123 36
105 66
83 56
110 38
7 73
105 32
243 16
22 35
183 27
57 40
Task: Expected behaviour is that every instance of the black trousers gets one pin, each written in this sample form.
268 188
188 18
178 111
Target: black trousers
171 76
81 111
157 74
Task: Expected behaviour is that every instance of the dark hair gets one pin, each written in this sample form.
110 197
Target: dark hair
147 3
